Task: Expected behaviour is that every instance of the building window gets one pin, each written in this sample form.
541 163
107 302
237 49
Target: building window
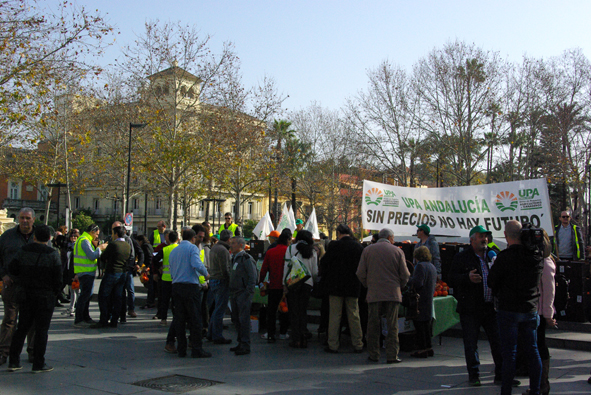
158 203
14 189
76 203
95 204
136 204
250 205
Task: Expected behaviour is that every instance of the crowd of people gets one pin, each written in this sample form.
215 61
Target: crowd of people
195 273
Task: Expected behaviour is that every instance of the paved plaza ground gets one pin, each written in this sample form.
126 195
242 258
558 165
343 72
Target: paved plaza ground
110 361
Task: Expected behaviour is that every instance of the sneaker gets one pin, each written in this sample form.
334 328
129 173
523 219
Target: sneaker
474 381
284 337
81 324
132 314
514 383
13 367
265 336
200 353
90 321
170 348
242 351
44 368
99 325
163 323
67 312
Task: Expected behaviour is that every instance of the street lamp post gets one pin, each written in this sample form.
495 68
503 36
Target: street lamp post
59 185
131 126
589 208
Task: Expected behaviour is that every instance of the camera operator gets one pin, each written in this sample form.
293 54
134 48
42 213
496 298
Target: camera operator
514 279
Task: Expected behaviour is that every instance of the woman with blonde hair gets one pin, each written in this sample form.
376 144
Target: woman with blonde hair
546 311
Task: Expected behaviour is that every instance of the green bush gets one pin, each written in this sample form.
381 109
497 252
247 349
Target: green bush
81 221
248 227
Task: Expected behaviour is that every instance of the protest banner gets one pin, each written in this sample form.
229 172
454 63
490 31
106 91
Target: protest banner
285 221
263 228
454 211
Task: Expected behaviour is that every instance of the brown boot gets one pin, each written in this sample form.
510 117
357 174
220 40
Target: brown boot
545 382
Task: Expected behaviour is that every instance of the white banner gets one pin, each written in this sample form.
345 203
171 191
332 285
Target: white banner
454 211
312 225
264 227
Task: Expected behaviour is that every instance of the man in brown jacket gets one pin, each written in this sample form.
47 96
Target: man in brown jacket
382 270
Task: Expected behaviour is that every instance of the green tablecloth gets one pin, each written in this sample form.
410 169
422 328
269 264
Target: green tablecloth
445 314
444 308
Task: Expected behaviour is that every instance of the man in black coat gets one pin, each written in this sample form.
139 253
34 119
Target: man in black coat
339 267
468 276
37 273
11 243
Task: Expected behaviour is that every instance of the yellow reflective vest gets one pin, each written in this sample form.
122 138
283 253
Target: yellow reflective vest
156 238
165 263
231 228
82 264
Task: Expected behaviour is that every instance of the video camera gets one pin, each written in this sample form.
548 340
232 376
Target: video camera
532 238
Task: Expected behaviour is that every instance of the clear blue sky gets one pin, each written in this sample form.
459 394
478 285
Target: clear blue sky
320 50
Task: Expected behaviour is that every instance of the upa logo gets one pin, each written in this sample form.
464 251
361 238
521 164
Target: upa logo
373 196
528 193
506 201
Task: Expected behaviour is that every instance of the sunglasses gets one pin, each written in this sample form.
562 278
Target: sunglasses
565 216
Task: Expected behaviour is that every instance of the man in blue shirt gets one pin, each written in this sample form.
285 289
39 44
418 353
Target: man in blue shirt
185 269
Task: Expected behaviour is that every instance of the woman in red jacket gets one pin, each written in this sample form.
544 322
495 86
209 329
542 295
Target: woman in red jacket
273 265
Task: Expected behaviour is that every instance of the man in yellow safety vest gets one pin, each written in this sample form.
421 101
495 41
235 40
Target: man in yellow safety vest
86 253
233 228
157 236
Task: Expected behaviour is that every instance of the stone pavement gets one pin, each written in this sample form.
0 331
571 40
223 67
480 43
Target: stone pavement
110 361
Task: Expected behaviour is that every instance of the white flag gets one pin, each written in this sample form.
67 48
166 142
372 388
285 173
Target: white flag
312 225
292 218
264 227
285 221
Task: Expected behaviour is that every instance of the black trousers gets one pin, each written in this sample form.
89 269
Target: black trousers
164 300
36 311
275 296
297 303
187 309
424 333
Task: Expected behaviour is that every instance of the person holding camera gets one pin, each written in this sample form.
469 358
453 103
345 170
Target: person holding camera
514 279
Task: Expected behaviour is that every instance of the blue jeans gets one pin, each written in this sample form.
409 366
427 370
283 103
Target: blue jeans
86 288
128 294
219 292
486 317
109 296
510 325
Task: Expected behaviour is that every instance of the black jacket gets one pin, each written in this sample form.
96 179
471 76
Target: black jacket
514 279
338 267
11 243
470 296
37 268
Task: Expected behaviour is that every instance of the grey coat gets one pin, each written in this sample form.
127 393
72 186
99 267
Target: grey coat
424 279
243 276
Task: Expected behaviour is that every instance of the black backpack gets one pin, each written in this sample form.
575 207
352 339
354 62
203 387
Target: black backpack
561 296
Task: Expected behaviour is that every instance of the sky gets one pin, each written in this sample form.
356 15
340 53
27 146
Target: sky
320 51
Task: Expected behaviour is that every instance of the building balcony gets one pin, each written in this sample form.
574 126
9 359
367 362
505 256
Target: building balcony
17 204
